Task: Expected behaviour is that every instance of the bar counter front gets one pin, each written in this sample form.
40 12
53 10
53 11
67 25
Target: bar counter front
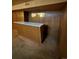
35 32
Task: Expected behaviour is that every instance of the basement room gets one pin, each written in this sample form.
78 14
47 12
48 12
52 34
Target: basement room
39 29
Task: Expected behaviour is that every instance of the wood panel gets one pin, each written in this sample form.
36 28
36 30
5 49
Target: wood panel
56 21
51 19
30 32
17 16
63 35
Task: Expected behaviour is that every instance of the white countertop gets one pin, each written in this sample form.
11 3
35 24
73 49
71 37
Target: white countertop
30 24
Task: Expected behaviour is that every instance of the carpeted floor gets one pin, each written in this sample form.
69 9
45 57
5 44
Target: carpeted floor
25 49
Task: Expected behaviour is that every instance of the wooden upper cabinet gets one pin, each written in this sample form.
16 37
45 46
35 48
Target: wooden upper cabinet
17 16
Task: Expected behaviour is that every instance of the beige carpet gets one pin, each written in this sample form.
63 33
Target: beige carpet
25 49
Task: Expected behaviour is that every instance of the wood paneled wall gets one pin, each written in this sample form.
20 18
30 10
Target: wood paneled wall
57 28
63 35
51 19
18 15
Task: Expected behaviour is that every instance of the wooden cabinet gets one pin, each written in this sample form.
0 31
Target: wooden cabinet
33 33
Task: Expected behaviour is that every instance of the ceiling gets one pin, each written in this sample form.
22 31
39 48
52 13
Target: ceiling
14 2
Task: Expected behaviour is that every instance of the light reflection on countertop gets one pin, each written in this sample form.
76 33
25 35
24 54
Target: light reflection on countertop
35 24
